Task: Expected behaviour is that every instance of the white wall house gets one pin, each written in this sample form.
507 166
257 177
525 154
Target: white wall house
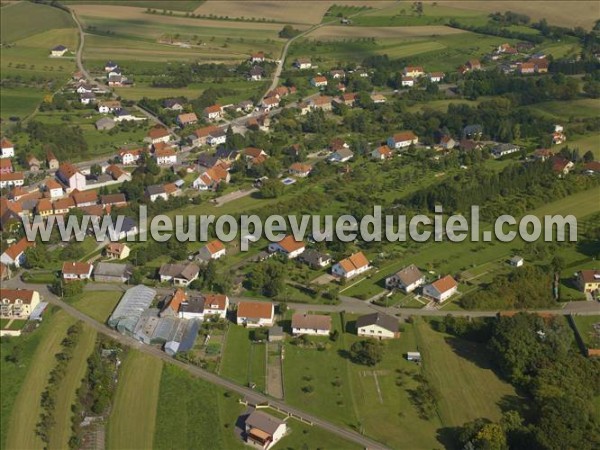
377 325
255 314
442 289
312 324
407 279
352 266
402 140
288 246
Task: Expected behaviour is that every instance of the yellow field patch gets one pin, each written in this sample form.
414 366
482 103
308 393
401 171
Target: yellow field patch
338 32
563 13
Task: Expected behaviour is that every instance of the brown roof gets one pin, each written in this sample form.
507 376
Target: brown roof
11 176
25 295
404 136
253 152
158 132
384 150
178 297
67 170
590 275
302 168
212 109
593 166
409 275
355 261
170 188
528 66
52 184
93 210
289 244
6 143
64 203
166 151
215 301
187 118
114 171
255 310
113 199
76 268
44 205
50 156
5 163
214 246
323 100
32 160
16 249
205 131
319 79
115 247
84 197
444 284
311 321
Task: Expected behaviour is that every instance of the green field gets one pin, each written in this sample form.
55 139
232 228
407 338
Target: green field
567 110
133 417
461 372
25 19
244 362
586 331
26 408
585 143
67 390
403 15
98 304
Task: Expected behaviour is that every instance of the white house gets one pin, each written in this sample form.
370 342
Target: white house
129 157
407 279
313 324
14 255
216 305
255 314
382 153
216 137
377 325
108 106
263 430
302 63
212 250
402 140
413 71
18 303
350 267
288 246
436 77
8 149
442 289
54 188
76 271
156 191
318 81
341 155
214 112
11 179
59 51
68 174
165 156
408 81
157 135
197 307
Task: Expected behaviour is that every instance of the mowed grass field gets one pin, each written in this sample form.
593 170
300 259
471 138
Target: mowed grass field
98 304
565 110
461 371
67 390
244 362
133 417
450 257
585 143
585 327
24 19
26 409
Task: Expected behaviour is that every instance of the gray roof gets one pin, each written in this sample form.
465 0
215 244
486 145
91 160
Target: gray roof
383 320
193 305
276 331
263 421
314 257
129 310
112 270
409 275
105 122
155 189
344 152
187 271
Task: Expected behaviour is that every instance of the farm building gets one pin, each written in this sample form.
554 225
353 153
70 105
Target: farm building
130 309
413 356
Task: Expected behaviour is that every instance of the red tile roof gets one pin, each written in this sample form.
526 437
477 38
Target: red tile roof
76 268
444 284
255 310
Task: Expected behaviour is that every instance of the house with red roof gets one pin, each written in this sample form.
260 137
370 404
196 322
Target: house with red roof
442 289
288 246
5 165
14 255
352 266
8 148
213 112
402 140
74 270
212 250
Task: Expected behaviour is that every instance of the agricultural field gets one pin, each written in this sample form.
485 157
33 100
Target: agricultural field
133 418
585 143
24 414
24 19
568 110
171 5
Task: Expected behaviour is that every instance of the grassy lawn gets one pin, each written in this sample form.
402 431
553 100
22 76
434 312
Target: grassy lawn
98 304
303 367
19 102
461 373
585 143
392 418
169 5
17 324
244 362
133 417
21 421
67 390
565 110
590 337
25 19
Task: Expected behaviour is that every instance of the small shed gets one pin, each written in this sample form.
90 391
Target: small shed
276 334
413 356
516 261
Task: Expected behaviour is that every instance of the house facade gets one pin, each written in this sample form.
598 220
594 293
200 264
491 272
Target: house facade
18 303
352 266
407 279
288 246
311 324
73 271
377 325
255 314
442 289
